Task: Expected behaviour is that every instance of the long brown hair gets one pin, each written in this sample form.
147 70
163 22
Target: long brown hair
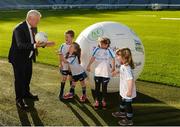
77 52
126 55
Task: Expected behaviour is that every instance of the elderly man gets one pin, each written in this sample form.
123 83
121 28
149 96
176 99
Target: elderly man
22 51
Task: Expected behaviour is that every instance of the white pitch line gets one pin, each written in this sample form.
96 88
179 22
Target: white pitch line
170 18
147 15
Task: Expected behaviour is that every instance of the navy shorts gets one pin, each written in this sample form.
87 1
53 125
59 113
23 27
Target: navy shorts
65 72
79 77
102 80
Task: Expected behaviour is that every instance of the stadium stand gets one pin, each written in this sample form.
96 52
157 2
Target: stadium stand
99 4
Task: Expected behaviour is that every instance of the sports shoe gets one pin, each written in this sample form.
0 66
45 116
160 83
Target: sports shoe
68 96
119 114
104 105
96 104
83 98
125 122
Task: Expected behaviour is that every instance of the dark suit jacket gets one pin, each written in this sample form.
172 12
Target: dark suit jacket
21 45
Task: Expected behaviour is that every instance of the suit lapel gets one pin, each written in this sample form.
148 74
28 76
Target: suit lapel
26 29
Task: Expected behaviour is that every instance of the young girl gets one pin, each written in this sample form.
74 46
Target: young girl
64 70
78 73
105 63
127 86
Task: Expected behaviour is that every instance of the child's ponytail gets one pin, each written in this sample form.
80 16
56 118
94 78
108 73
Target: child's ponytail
78 51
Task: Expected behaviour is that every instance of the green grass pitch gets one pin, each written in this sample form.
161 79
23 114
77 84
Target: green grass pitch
160 37
150 107
155 105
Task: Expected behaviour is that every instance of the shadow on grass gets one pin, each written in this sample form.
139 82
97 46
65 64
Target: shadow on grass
23 115
82 107
147 111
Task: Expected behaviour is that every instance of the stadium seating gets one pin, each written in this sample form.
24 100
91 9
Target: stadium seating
23 2
139 4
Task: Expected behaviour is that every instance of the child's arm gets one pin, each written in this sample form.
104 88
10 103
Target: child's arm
130 87
60 60
113 65
90 62
115 72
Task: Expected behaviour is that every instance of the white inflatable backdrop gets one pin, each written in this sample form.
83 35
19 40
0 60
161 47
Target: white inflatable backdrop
121 36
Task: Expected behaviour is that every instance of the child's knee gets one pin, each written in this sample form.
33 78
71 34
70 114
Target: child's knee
64 78
83 84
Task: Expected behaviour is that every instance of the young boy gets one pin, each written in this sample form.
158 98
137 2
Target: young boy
105 63
64 68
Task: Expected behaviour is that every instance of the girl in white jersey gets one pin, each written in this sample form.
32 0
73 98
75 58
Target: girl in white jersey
127 87
104 59
64 69
78 72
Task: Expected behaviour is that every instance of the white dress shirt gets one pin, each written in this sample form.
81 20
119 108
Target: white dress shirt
32 40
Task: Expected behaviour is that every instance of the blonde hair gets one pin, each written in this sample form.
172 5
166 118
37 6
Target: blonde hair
126 55
33 13
104 40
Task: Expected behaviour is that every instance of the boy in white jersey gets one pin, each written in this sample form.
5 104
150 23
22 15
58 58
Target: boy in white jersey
64 68
104 59
78 72
127 87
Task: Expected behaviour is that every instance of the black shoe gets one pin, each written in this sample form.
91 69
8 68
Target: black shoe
22 105
33 97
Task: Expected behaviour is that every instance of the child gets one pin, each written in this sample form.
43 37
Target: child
78 73
127 86
64 70
105 63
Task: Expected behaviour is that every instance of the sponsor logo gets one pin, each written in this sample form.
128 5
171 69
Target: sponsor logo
95 34
138 46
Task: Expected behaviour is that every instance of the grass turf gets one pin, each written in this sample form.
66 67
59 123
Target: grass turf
160 37
150 107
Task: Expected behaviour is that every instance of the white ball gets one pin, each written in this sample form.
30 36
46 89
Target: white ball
121 37
41 37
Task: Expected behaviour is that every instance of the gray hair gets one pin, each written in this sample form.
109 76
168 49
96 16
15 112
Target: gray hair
33 13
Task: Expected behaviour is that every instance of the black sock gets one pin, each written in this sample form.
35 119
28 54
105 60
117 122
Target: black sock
97 88
70 82
104 91
122 106
84 90
129 110
62 88
72 90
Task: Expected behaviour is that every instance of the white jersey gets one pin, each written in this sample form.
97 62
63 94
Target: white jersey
63 50
125 75
74 65
103 60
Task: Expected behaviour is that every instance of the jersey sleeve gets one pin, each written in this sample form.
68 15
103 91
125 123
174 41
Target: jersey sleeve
61 49
94 53
129 73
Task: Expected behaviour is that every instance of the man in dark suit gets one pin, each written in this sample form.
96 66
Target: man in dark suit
22 52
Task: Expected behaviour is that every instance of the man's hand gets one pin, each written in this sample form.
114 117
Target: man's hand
40 44
44 44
